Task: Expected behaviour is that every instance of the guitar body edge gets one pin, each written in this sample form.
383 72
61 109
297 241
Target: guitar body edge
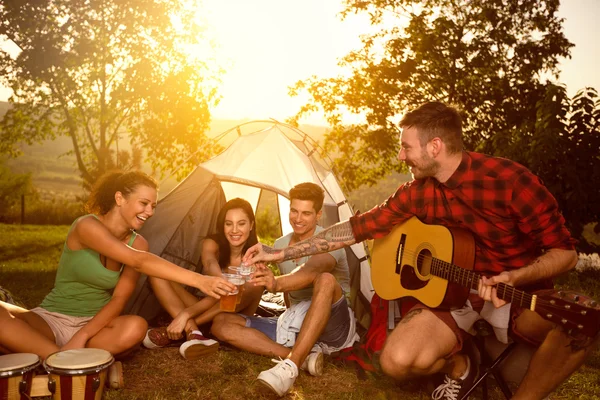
397 268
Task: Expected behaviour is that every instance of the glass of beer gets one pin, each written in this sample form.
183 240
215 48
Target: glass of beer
236 271
229 302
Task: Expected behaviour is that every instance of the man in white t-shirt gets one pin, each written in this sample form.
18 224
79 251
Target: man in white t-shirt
315 289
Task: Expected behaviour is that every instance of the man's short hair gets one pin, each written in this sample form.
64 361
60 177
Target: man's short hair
435 119
309 191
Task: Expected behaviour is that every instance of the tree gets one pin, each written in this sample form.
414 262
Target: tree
486 56
562 147
100 70
12 187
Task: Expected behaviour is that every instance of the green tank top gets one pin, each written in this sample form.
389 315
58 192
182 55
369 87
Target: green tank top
82 285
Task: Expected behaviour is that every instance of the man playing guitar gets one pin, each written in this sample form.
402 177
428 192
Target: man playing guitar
520 240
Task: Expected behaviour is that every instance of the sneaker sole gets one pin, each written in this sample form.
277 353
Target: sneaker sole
316 368
197 351
272 390
149 344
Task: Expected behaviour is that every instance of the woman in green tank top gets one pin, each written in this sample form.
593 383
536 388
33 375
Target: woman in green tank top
236 233
98 269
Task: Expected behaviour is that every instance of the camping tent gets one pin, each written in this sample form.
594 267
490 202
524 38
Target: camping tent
271 159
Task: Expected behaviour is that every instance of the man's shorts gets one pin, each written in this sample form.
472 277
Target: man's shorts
63 326
334 334
408 305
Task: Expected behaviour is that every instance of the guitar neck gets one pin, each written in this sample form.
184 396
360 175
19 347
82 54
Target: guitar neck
455 274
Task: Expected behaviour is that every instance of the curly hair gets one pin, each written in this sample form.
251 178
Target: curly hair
102 196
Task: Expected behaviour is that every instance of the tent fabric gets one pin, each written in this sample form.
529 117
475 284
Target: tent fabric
274 159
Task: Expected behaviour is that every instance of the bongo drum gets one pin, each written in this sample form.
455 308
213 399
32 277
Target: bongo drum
78 374
16 375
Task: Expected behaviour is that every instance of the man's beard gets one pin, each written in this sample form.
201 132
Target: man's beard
426 167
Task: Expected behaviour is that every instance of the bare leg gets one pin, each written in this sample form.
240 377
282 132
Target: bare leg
418 346
172 296
25 332
174 299
553 362
231 328
325 293
250 299
248 304
120 335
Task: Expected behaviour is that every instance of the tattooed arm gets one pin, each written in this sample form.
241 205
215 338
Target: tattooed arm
333 238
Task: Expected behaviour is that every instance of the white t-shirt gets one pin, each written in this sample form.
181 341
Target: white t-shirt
340 271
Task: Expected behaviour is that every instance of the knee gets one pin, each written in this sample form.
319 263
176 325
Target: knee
135 330
218 326
402 363
324 281
396 364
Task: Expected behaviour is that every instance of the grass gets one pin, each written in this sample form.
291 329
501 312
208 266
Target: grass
28 259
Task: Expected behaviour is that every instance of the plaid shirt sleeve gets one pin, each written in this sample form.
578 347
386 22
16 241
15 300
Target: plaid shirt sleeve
381 219
538 215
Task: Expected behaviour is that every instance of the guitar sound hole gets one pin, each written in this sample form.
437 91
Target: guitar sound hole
424 262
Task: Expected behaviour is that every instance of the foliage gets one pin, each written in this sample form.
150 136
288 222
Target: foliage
29 257
561 147
267 225
485 56
38 211
12 187
98 71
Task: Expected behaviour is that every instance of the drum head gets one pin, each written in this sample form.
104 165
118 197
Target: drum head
18 361
79 358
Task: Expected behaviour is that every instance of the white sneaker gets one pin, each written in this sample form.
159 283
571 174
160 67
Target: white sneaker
281 377
313 363
197 346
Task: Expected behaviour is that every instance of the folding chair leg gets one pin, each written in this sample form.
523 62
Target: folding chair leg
493 369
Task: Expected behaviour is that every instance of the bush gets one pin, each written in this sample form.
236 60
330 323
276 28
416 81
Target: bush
44 212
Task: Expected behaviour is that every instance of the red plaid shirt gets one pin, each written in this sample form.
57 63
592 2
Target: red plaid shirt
512 216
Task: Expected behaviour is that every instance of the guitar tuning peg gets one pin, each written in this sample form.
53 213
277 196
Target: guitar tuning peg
594 304
561 294
576 298
579 326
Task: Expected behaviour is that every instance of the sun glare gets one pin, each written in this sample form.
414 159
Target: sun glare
265 46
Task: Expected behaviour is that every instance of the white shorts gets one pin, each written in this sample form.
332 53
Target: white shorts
63 326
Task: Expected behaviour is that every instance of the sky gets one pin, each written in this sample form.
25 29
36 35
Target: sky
265 46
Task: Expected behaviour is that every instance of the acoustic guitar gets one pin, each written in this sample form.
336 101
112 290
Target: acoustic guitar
434 264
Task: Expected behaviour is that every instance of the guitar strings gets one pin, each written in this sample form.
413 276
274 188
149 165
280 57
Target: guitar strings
461 275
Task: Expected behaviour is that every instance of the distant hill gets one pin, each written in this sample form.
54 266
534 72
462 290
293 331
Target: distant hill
55 174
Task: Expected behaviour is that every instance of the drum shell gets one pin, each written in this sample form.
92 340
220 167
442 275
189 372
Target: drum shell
16 384
77 383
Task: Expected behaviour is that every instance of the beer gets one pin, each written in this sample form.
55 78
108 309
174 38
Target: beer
233 270
229 302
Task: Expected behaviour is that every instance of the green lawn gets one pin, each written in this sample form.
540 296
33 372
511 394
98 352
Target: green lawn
28 259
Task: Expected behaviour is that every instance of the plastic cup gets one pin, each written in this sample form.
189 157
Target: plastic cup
246 270
236 271
229 301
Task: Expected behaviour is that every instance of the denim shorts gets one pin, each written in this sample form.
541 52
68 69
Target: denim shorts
334 334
